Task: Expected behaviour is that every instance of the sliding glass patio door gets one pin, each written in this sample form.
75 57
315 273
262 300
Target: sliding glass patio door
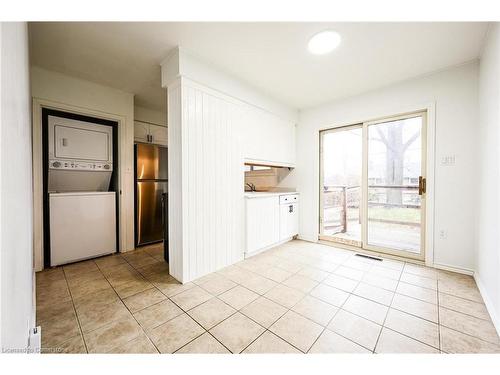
342 172
372 192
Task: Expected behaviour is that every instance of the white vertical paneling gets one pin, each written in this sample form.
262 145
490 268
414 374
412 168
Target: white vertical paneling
205 181
175 201
206 177
213 128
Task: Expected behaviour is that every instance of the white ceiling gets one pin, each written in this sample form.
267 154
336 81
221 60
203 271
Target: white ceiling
270 56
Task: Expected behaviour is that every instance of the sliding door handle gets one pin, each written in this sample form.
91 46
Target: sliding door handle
422 185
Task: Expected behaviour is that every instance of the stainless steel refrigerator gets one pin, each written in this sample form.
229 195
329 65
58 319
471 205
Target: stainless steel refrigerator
150 190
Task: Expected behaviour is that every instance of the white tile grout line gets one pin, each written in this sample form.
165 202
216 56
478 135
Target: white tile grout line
119 297
154 286
439 317
239 310
334 315
351 293
304 265
183 312
387 312
76 313
219 323
390 307
141 327
121 300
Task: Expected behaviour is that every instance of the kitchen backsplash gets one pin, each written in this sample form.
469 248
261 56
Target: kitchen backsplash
266 179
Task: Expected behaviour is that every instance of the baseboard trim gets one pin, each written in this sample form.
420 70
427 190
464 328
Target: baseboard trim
355 249
308 238
445 267
495 316
249 255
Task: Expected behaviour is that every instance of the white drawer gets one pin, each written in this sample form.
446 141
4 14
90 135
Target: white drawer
289 198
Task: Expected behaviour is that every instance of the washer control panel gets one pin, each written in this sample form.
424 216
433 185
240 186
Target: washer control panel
80 165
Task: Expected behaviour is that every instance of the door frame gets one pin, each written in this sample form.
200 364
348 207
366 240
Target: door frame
38 104
114 180
430 109
423 173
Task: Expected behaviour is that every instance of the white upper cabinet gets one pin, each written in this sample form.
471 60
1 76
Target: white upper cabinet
149 133
141 131
158 134
267 138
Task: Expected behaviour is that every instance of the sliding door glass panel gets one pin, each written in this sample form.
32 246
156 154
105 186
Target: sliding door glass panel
394 208
341 185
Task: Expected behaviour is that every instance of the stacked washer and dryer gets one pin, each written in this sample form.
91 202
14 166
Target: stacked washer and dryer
82 209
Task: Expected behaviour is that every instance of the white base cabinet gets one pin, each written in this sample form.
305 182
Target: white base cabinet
289 220
263 222
270 220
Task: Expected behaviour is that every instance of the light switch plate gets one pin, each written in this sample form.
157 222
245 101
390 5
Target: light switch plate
448 160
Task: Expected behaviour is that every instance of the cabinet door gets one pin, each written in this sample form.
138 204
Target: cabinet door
262 223
266 137
293 222
289 220
158 134
141 131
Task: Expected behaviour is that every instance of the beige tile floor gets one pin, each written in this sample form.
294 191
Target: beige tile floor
296 298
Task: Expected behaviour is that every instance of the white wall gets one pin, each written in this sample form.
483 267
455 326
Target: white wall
488 198
212 132
454 94
183 63
150 115
55 90
17 315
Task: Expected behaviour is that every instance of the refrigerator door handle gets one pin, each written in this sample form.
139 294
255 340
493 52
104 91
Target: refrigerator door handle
165 226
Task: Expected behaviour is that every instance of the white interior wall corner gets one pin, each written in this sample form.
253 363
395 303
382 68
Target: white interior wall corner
16 230
454 92
175 178
487 262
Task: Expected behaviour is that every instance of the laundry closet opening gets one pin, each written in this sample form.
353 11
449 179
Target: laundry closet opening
80 187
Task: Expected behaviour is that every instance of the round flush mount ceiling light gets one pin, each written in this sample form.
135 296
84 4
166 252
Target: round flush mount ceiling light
324 42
